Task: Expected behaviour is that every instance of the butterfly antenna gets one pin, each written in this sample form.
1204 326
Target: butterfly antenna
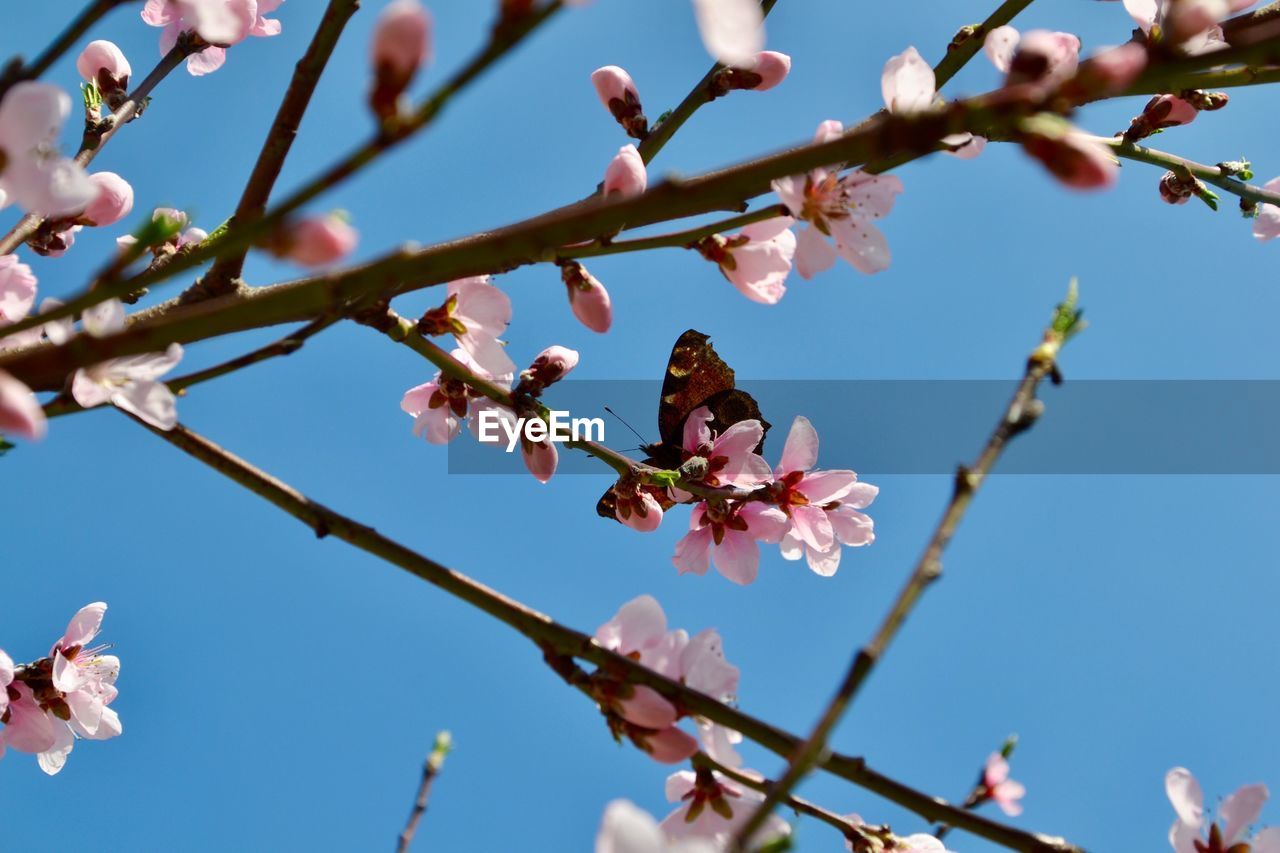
643 442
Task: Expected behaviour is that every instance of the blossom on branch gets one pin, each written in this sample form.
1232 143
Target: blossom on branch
756 260
20 412
625 176
218 24
316 240
627 828
617 91
588 298
1038 56
66 696
713 807
1267 224
475 312
131 382
842 208
823 507
1235 814
401 45
33 174
999 788
103 64
918 842
908 85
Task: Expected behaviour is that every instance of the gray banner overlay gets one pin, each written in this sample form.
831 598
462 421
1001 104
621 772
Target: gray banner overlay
928 426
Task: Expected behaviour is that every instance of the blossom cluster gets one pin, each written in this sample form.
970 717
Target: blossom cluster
48 704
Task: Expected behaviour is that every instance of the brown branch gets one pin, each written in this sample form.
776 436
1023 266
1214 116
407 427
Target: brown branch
430 770
98 135
306 75
559 639
1020 414
966 43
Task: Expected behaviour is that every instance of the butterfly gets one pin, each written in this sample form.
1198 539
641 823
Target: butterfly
696 376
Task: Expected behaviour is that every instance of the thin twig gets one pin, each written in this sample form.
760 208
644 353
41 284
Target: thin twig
430 770
551 635
969 40
1017 417
88 16
1211 174
284 129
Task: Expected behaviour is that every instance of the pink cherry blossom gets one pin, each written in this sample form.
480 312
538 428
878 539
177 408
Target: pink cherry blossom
629 829
1267 224
317 240
1191 22
1004 791
726 534
713 807
841 208
20 412
731 456
104 64
540 457
822 506
32 174
6 678
220 23
588 298
475 312
1235 814
1161 112
756 260
439 407
131 382
17 289
1038 56
637 507
113 202
625 175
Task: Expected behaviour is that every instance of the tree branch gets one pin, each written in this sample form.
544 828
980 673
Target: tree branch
969 40
1020 414
306 75
16 72
430 770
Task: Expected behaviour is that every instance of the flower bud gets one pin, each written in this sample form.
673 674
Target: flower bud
1161 112
763 71
103 63
113 202
20 412
1176 190
617 91
625 175
551 365
1206 102
645 707
541 458
638 510
667 746
401 44
316 241
1070 155
587 297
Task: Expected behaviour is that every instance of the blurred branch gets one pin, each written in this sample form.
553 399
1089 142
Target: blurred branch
430 770
306 75
553 637
1019 415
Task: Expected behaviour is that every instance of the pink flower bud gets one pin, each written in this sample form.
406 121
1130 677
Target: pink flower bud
20 412
771 67
640 511
1070 155
1161 112
587 297
402 38
551 365
317 240
103 63
667 746
618 93
1175 190
401 44
626 175
540 458
113 202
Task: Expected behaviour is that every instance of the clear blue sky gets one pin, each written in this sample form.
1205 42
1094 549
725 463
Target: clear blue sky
280 693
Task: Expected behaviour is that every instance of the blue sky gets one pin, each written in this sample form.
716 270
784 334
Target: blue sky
279 692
